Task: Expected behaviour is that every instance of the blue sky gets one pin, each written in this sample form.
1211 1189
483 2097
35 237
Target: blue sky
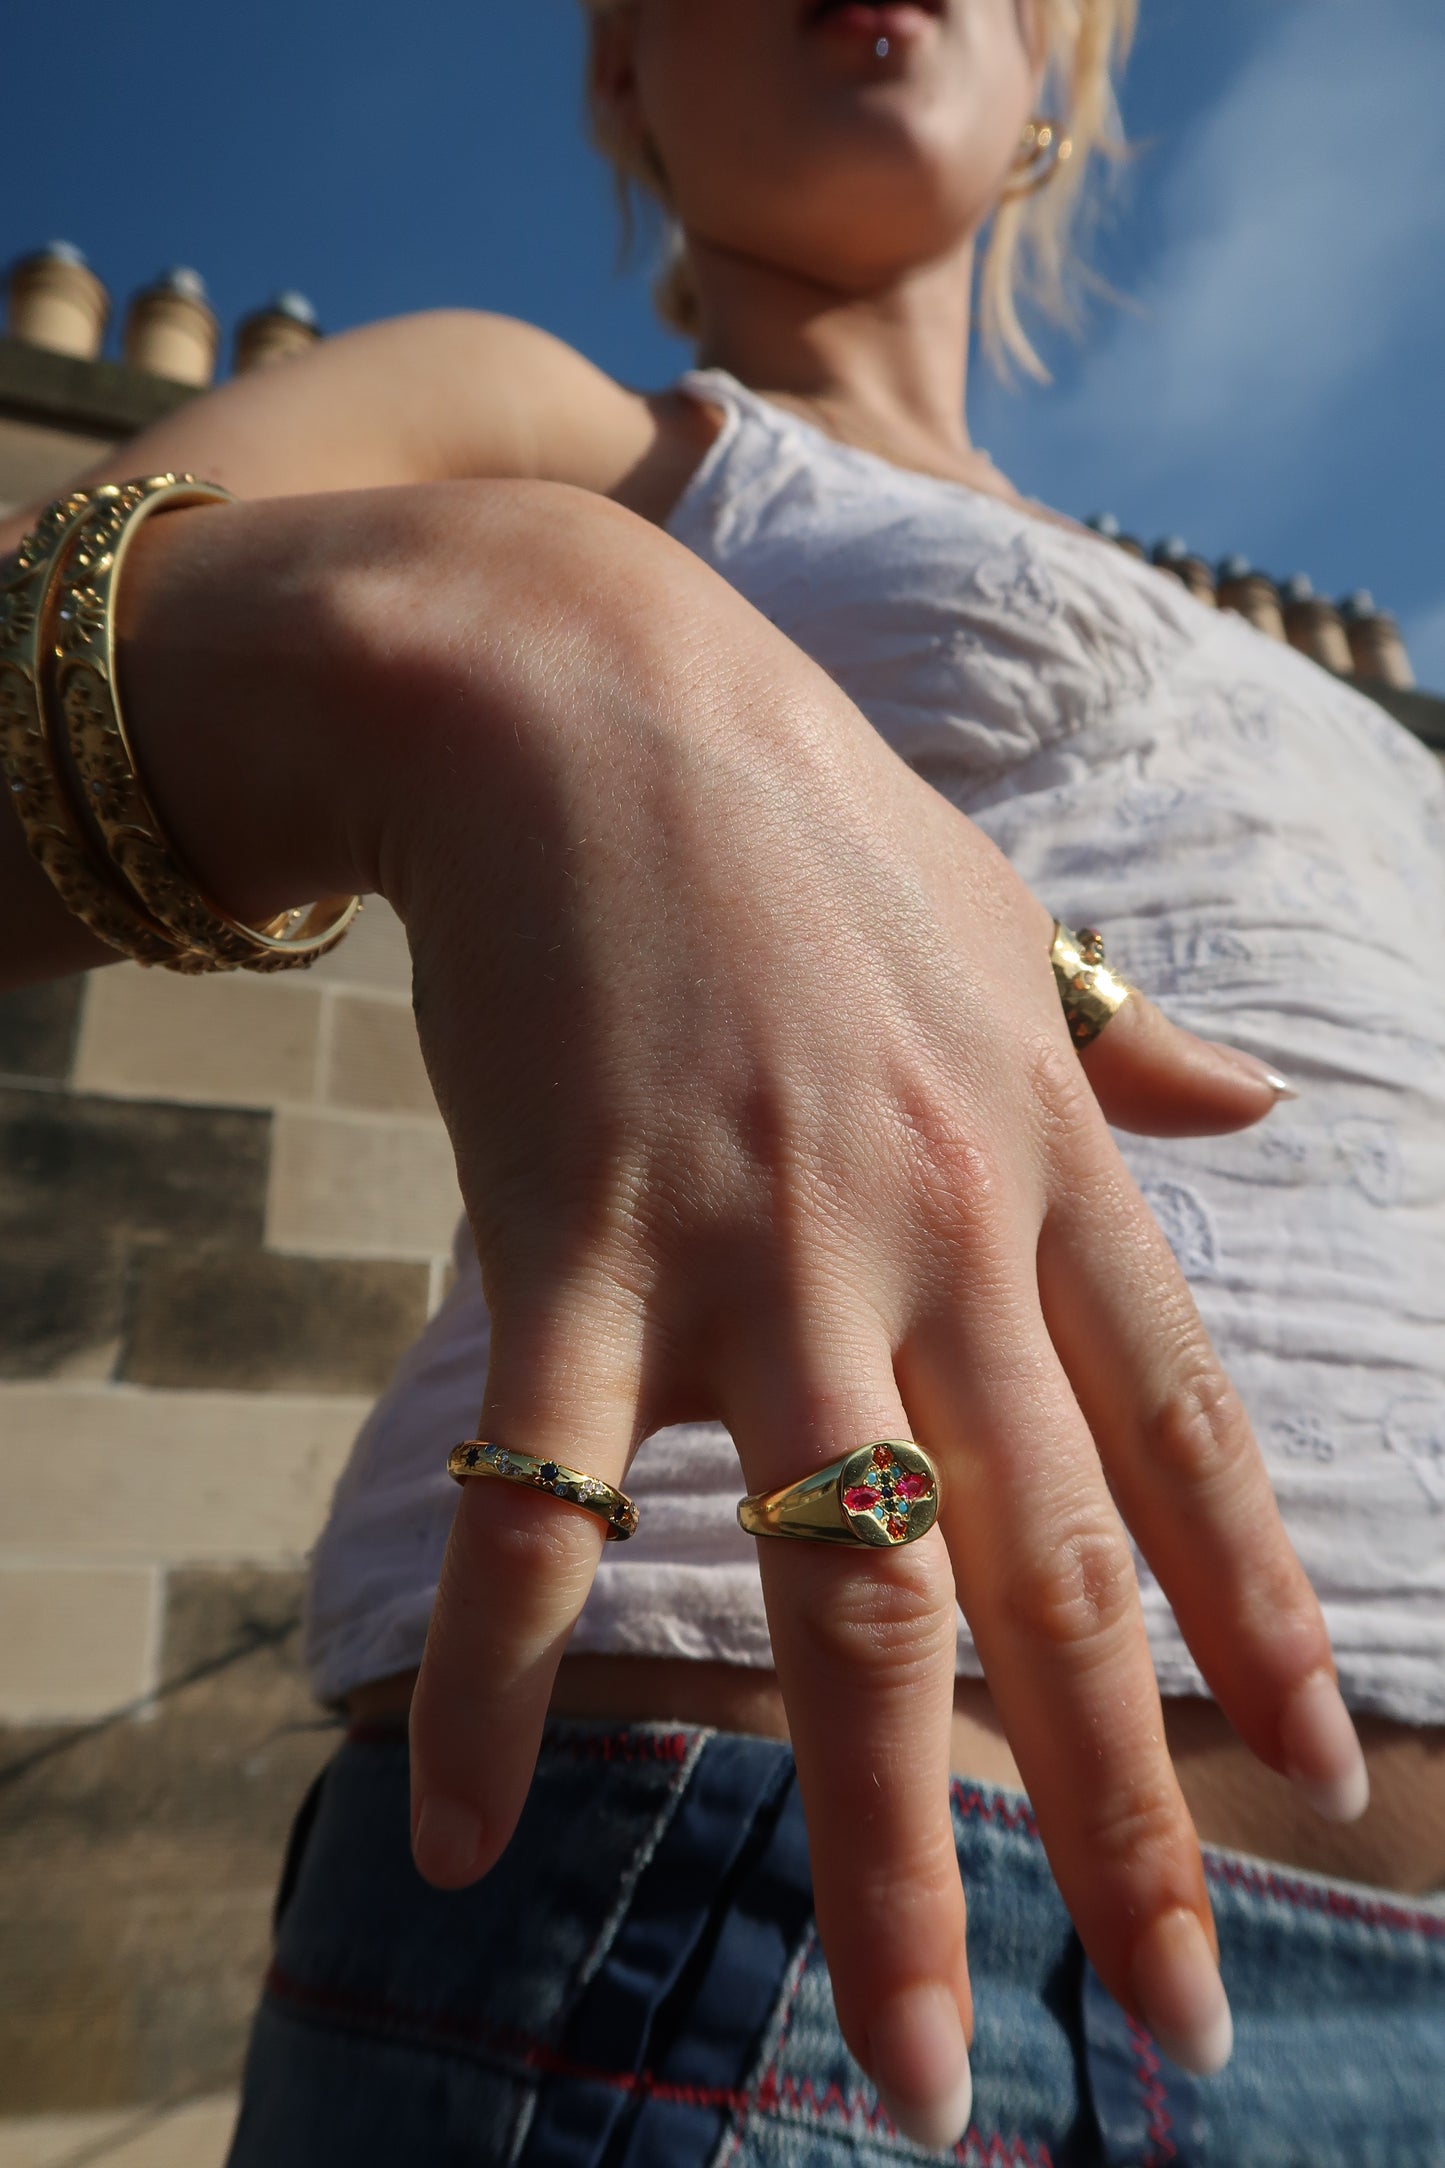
1275 385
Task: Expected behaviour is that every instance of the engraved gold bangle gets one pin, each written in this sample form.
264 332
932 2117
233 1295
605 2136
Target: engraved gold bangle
1090 992
82 681
34 779
483 1457
880 1495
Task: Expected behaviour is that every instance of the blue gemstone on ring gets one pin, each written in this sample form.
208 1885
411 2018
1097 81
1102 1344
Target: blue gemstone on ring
549 1471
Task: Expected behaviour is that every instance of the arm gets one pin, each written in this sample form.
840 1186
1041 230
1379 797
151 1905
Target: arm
448 395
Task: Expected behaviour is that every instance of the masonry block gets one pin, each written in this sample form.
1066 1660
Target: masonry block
82 1167
358 1187
231 1040
374 1062
141 1860
38 1028
128 1476
195 2135
74 1642
62 1304
255 1322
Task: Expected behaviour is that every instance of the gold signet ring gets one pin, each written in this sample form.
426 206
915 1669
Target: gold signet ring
1090 991
479 1457
881 1495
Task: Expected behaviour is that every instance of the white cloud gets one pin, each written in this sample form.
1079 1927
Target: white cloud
1301 225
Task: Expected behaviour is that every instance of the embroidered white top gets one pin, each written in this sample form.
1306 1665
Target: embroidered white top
1266 850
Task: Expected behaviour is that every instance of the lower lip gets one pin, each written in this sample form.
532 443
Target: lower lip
894 22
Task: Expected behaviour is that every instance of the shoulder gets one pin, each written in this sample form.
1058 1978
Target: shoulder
497 396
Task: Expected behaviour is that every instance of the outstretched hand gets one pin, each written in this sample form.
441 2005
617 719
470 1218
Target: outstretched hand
765 1110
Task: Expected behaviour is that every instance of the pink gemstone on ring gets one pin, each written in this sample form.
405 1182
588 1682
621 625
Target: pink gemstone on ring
914 1486
860 1498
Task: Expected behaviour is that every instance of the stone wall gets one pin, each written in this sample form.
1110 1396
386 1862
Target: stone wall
225 1209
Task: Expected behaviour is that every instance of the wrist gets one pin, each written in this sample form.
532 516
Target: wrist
225 664
314 684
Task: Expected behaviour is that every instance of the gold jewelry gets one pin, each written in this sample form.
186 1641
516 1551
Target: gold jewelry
1043 148
1090 991
479 1457
35 783
83 680
880 1495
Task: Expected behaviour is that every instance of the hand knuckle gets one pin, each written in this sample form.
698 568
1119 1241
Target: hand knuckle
892 1619
1074 1595
1200 1434
528 1559
963 1188
1133 1827
1064 1104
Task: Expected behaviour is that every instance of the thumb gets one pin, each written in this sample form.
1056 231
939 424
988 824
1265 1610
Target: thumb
1159 1080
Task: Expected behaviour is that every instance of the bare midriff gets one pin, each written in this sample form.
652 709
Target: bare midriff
1398 1844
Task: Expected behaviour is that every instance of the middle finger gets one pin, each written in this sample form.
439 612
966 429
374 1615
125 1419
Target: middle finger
863 1642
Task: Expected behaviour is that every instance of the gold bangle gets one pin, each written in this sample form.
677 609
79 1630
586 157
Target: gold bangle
83 680
35 784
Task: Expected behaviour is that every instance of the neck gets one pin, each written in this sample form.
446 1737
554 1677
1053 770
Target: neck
886 370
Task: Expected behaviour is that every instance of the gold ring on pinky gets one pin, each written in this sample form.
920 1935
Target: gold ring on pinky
479 1457
880 1495
1090 992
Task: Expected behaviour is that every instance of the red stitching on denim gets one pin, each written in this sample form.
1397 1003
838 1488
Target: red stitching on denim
798 2094
477 2032
858 2108
1320 1897
767 2088
1152 2095
972 1801
624 1746
802 2097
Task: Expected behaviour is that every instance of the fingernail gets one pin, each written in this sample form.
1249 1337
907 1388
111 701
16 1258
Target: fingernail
1322 1750
446 1842
919 2061
1253 1066
1180 1995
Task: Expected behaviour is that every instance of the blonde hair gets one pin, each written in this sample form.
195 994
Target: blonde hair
1027 254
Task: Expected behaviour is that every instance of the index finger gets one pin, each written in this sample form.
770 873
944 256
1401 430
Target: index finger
562 1383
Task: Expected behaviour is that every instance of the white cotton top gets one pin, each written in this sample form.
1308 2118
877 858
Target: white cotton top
1265 849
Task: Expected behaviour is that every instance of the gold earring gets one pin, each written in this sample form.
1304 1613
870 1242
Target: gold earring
1043 148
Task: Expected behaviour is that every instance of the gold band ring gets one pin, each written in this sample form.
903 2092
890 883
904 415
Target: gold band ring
1090 991
479 1457
881 1495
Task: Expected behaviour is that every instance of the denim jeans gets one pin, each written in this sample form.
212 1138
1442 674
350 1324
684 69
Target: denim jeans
638 1984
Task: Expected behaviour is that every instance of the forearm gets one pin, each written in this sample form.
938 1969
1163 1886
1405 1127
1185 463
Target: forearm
451 393
316 689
